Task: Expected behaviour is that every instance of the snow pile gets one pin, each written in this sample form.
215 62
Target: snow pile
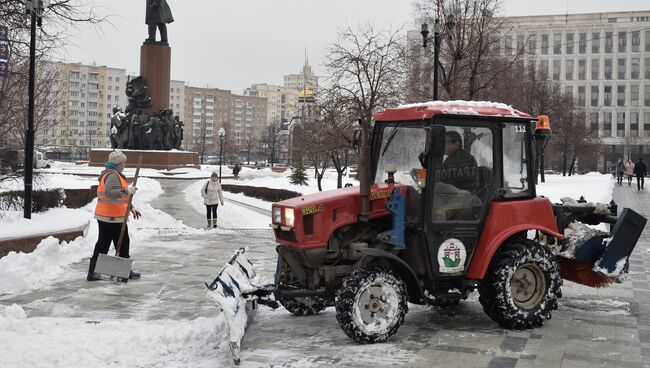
50 181
464 105
46 342
594 187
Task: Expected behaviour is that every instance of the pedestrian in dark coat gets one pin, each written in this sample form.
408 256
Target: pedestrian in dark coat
640 172
235 171
620 171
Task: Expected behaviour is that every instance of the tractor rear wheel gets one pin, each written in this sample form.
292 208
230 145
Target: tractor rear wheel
306 306
371 304
521 286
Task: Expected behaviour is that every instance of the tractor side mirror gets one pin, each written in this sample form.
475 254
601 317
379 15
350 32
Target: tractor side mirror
435 144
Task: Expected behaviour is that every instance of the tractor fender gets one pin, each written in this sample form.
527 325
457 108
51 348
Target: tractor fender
486 249
413 286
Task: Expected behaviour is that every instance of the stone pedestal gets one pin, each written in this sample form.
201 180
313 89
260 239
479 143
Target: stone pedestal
150 159
155 67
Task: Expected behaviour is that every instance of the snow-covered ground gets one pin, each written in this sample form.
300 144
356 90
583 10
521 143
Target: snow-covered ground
27 341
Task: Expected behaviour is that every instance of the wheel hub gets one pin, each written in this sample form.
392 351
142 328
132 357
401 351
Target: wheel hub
528 286
373 303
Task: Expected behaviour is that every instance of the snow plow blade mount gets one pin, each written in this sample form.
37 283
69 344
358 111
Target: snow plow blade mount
237 293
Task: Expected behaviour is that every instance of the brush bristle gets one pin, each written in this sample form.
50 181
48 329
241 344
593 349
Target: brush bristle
582 273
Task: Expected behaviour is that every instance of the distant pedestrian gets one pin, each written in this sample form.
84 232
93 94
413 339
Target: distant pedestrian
113 194
629 171
212 196
620 171
640 172
235 171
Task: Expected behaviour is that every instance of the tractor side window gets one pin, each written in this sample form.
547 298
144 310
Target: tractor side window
463 181
515 169
401 146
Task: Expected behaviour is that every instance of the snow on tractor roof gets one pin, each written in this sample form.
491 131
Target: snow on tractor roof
426 110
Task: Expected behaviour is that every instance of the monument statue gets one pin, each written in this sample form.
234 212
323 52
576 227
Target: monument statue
158 15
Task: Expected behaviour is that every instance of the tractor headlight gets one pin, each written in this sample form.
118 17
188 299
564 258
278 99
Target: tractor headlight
277 215
288 217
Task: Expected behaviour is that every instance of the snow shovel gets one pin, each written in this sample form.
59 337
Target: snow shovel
115 266
236 292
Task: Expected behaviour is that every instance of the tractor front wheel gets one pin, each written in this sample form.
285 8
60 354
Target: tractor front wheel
371 304
521 286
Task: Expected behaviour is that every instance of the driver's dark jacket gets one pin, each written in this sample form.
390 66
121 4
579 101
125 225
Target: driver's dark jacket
460 170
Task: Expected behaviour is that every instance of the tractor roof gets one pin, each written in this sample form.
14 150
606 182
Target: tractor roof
426 110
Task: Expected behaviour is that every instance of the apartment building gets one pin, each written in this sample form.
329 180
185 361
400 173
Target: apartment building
209 109
302 81
603 61
280 101
84 98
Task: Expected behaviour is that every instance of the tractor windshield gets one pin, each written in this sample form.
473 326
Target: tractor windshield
515 170
401 146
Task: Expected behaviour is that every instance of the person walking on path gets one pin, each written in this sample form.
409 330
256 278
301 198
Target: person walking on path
620 171
629 171
212 196
113 194
235 171
640 172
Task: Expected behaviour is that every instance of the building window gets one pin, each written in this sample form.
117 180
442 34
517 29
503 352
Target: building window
595 69
620 124
544 49
557 43
607 95
508 45
568 70
568 91
557 64
582 96
646 95
634 95
593 122
622 41
582 45
634 124
636 41
608 69
595 42
543 69
609 42
635 68
621 68
607 124
582 69
520 43
646 124
620 95
569 43
532 44
594 96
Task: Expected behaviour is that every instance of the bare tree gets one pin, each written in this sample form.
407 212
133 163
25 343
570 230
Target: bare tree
249 143
470 42
366 69
268 143
338 127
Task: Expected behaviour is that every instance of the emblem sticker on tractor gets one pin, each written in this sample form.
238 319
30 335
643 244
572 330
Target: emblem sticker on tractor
379 195
313 209
451 256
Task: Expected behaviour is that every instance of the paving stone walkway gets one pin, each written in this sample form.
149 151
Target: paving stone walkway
592 328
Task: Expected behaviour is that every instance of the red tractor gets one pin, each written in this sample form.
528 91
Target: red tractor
446 205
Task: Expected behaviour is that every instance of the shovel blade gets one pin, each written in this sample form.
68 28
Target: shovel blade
113 266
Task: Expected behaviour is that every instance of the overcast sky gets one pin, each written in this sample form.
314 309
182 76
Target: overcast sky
232 44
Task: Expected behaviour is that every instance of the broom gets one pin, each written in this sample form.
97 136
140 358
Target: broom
582 273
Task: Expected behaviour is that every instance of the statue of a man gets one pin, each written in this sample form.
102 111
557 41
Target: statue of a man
158 15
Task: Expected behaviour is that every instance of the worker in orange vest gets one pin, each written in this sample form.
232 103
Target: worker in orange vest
112 200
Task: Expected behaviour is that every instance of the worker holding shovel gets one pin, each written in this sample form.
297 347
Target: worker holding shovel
113 194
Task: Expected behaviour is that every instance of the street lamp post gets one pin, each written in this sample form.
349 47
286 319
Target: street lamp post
222 133
436 47
35 8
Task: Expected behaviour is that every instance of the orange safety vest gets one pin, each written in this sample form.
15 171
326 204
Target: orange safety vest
111 207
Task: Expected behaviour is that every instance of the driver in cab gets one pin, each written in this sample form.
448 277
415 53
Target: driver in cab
459 168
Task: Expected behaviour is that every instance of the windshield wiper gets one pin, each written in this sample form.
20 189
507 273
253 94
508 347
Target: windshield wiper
390 139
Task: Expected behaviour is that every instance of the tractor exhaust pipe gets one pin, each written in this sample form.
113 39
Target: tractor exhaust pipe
364 173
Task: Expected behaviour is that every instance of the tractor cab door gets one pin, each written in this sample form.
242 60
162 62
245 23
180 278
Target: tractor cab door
460 184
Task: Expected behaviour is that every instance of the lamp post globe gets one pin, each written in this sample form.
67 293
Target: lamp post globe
222 133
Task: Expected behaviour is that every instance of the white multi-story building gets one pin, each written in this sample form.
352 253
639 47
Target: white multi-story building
177 98
84 98
280 101
603 60
304 81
